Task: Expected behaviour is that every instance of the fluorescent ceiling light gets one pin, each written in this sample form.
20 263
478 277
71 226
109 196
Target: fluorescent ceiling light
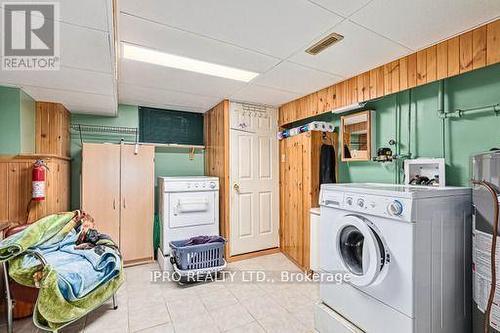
139 53
351 107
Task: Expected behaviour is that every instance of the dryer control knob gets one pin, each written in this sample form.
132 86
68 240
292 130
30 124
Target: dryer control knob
212 185
395 208
349 201
361 203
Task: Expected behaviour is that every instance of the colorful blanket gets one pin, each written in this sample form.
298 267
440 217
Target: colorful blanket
77 277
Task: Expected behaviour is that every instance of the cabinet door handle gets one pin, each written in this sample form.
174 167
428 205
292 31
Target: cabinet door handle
114 204
124 205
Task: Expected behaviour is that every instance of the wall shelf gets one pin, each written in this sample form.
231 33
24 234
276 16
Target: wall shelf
192 148
106 130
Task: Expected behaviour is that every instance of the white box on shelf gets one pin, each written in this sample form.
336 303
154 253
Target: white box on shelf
431 168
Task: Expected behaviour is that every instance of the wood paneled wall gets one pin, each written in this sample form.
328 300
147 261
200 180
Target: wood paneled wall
52 144
15 188
216 123
468 51
52 129
299 191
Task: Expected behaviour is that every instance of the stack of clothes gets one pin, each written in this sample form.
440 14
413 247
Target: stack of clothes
84 268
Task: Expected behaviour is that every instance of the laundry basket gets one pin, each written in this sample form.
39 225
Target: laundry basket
197 259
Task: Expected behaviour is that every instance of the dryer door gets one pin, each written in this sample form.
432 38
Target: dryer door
360 249
190 209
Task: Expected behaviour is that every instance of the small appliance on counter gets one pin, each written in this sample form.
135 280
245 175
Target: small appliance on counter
425 172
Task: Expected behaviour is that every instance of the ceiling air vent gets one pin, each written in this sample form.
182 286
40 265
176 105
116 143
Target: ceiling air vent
324 43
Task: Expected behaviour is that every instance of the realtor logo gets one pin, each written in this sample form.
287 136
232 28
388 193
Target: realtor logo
30 38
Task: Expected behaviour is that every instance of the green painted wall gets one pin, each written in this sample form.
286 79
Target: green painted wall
10 130
27 120
168 162
463 137
17 121
128 116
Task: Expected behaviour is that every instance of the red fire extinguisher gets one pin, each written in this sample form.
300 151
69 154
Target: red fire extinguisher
38 181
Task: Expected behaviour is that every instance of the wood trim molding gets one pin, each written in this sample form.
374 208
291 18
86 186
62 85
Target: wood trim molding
471 50
253 254
137 262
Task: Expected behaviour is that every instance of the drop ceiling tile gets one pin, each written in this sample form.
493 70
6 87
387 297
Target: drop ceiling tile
154 97
94 108
88 13
264 95
417 24
85 48
158 77
68 79
75 102
170 40
342 7
296 78
359 51
154 104
276 28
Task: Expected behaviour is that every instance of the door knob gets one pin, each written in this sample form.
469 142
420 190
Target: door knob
236 187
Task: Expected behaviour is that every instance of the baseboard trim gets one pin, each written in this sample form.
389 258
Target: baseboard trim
135 262
250 255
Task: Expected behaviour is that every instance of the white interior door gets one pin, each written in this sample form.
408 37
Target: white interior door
254 219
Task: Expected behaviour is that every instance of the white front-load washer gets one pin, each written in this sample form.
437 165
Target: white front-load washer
406 251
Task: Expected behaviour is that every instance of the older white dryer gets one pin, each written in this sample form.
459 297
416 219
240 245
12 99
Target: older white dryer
189 206
407 251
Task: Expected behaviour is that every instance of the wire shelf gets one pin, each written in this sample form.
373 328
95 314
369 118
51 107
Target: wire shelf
100 129
104 129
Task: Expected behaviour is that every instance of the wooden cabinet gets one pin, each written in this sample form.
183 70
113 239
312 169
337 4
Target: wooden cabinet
118 191
101 186
137 203
15 188
299 191
52 129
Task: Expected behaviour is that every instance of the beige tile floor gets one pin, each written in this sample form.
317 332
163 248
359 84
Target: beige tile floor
221 306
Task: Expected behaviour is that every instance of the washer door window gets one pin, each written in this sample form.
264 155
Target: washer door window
361 250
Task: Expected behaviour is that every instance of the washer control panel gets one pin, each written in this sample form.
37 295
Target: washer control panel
191 186
397 208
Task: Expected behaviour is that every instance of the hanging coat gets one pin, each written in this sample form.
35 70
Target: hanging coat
327 165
